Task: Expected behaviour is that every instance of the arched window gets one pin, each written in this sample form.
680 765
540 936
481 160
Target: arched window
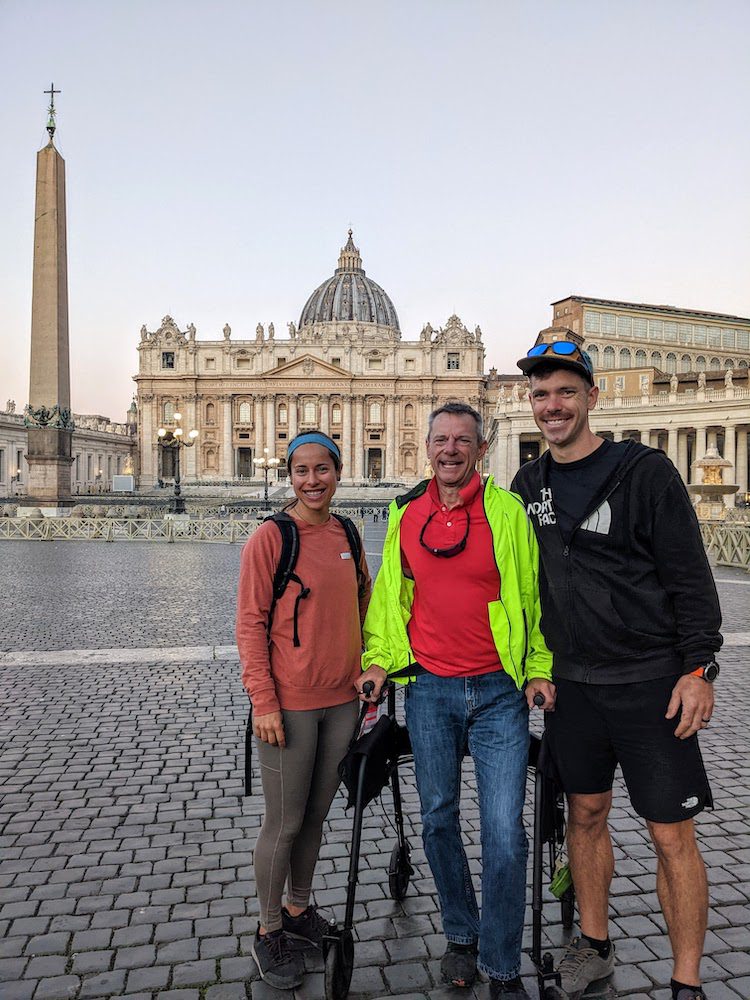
282 413
700 363
245 413
656 359
686 363
210 413
211 460
336 414
742 364
168 413
715 365
625 358
309 415
409 415
671 363
640 359
593 353
609 357
375 412
729 363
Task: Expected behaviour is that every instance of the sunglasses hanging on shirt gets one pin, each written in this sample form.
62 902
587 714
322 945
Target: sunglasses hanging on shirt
452 550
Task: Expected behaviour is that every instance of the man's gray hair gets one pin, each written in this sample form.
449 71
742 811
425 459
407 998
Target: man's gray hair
462 409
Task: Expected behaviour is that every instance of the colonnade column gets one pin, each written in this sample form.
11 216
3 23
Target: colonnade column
617 434
227 457
514 458
324 414
741 471
346 436
672 445
271 425
682 456
292 416
390 439
499 458
359 438
730 454
700 451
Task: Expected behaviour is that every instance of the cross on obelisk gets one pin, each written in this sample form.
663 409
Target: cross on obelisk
48 416
51 126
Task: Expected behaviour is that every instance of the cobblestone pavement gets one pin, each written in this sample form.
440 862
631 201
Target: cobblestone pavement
126 847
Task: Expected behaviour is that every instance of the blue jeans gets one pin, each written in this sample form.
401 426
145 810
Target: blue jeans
489 715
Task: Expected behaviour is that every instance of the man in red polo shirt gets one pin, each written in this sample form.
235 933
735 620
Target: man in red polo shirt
457 598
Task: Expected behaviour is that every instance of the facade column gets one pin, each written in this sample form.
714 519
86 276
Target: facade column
514 458
148 441
325 404
672 445
347 444
617 434
700 451
259 410
359 438
645 434
291 410
730 454
713 439
390 439
741 469
189 423
682 455
271 425
227 452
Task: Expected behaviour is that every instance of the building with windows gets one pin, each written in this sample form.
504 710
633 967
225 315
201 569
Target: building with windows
345 368
101 449
676 379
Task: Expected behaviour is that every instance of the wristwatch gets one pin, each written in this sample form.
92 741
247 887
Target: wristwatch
708 671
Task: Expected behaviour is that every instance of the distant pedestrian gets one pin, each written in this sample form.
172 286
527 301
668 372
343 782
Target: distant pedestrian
300 658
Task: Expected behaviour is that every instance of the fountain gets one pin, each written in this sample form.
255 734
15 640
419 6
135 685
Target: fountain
709 502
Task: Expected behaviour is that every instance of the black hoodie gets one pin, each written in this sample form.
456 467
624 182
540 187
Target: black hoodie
631 596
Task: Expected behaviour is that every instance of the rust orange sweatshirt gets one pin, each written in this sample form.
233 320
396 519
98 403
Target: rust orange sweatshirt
321 671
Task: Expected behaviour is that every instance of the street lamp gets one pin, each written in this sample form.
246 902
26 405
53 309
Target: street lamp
266 464
174 439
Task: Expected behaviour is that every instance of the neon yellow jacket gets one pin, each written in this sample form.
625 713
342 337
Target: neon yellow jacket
514 618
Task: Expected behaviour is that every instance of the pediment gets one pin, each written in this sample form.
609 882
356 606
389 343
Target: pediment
307 368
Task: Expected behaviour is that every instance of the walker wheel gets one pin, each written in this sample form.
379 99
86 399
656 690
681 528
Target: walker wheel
339 967
400 872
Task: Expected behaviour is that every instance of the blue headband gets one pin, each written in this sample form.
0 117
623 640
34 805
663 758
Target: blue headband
313 437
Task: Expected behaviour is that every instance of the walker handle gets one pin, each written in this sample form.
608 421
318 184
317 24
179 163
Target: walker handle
539 699
367 688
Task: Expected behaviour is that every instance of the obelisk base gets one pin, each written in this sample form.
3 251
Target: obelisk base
49 460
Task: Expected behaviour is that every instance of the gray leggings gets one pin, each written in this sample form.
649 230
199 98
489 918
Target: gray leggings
299 783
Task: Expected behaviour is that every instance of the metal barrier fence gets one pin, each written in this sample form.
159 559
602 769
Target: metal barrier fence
122 529
728 542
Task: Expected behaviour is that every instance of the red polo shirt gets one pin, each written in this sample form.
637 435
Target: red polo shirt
449 630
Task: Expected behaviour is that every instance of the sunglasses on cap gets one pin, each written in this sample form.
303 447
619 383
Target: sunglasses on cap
563 349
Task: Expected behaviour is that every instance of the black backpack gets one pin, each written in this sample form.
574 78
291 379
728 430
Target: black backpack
284 574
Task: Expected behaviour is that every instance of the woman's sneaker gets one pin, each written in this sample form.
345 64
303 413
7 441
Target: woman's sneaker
581 965
458 966
277 964
309 926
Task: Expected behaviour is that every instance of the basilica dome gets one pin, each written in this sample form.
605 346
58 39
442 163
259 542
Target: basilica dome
349 296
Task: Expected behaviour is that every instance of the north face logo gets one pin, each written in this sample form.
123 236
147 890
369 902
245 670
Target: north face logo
690 803
542 509
600 521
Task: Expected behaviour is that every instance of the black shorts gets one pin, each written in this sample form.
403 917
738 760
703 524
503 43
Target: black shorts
595 727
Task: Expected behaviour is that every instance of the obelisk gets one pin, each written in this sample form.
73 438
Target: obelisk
48 416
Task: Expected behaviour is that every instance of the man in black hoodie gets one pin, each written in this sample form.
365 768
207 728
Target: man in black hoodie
631 614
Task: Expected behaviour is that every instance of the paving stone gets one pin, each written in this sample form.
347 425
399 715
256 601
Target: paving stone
47 966
19 989
11 968
194 973
238 968
227 991
154 978
183 950
57 988
104 985
91 961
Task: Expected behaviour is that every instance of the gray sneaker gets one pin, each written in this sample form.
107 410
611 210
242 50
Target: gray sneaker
581 965
691 994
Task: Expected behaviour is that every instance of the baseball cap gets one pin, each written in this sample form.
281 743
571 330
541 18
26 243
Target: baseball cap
562 353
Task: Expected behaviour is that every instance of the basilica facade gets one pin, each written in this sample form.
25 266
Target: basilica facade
344 368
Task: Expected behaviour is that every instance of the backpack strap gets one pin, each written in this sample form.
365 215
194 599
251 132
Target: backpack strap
285 568
355 544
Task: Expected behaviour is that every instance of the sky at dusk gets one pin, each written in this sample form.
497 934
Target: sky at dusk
491 157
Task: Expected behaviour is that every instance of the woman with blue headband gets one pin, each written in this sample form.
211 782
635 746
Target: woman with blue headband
300 656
